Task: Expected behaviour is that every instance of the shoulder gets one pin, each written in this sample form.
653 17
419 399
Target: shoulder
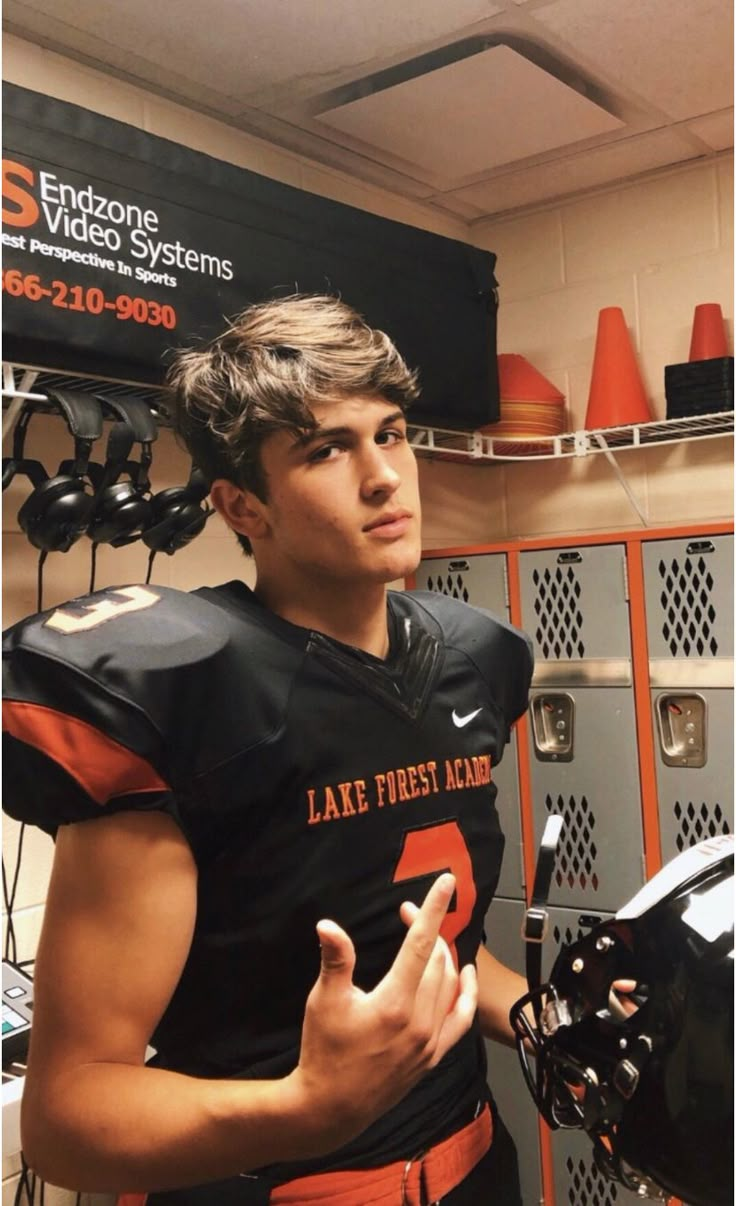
135 619
149 647
461 624
500 653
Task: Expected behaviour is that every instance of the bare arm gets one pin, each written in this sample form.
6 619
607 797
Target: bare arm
498 989
118 925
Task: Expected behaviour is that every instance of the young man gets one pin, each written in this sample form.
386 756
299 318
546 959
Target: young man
237 779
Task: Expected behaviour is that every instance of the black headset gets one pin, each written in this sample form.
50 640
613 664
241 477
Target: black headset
178 515
57 512
122 509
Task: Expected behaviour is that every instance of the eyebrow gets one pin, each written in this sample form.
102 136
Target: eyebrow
331 433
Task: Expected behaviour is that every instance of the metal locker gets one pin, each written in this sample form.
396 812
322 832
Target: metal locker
481 581
574 603
584 760
577 1180
503 935
689 608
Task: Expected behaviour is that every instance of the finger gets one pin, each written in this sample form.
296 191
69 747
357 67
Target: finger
416 949
430 991
460 1017
620 1006
448 992
337 953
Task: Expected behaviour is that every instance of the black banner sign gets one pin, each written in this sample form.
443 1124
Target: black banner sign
119 246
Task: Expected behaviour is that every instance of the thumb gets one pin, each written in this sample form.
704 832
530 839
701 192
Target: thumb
337 951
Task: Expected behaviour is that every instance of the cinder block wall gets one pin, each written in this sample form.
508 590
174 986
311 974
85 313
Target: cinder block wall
655 247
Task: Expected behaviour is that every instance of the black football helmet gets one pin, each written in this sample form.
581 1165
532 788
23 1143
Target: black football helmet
646 1067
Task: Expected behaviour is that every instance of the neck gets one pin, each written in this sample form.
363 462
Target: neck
356 616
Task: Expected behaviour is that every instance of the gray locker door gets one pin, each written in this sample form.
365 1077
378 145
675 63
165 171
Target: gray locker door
689 598
696 802
689 608
577 1180
600 861
574 603
503 934
481 581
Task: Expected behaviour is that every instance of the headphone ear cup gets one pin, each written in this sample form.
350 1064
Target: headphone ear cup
56 514
121 511
177 518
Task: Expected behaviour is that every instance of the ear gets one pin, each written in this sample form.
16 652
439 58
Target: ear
241 509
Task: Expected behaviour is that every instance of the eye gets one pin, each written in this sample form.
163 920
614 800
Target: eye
391 435
327 452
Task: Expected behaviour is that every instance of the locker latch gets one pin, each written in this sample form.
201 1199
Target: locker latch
681 722
553 724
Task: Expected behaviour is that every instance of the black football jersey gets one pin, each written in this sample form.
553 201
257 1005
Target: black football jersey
310 780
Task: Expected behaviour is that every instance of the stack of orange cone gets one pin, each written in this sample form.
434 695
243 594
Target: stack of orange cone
617 397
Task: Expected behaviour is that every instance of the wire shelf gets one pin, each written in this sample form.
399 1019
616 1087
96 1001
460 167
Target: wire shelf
479 446
439 442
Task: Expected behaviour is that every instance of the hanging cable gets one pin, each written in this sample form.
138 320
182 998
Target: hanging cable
25 1184
11 949
39 586
93 567
151 559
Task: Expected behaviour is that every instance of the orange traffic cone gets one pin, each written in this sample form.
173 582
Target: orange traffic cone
616 396
708 340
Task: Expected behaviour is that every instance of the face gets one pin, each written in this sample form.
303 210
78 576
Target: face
344 503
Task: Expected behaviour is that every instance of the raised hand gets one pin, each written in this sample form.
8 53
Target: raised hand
362 1051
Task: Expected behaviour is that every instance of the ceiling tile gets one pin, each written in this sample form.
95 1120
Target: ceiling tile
575 173
676 55
492 108
716 130
238 49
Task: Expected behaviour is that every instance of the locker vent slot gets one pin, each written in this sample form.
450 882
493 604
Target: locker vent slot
577 852
696 822
566 936
588 1187
687 606
452 585
560 621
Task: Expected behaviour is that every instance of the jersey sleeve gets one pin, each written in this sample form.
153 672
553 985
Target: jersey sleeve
505 658
90 707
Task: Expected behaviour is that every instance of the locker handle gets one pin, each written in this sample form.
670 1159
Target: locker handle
700 546
573 558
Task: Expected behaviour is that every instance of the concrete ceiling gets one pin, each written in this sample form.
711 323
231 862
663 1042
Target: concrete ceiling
471 107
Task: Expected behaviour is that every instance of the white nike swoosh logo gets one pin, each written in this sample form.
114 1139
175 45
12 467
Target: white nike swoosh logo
461 721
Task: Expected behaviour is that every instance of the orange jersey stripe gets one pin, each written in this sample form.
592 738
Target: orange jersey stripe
103 767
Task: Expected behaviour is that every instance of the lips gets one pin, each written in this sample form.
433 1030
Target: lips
389 523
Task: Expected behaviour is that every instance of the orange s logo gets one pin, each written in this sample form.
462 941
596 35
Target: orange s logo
27 212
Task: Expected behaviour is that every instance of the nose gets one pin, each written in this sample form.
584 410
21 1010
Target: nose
379 475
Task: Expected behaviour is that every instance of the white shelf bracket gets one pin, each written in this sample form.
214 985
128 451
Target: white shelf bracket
600 441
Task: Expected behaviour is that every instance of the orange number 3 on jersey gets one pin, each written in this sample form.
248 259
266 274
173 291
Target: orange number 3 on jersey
438 848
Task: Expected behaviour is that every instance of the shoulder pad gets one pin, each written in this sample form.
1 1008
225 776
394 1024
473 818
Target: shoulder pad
153 625
502 653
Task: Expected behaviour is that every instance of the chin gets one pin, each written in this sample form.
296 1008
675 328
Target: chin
401 567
